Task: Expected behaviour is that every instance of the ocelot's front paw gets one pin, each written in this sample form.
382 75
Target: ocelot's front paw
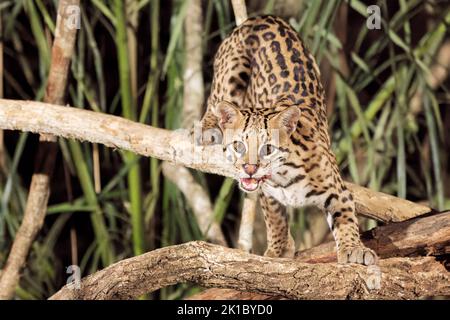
357 254
288 251
274 253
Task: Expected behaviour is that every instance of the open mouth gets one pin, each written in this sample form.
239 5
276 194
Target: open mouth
251 184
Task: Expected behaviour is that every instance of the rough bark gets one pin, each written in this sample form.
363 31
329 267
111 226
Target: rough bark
174 146
384 207
415 237
211 265
36 207
231 294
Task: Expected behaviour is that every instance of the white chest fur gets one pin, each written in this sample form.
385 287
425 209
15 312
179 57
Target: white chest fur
293 196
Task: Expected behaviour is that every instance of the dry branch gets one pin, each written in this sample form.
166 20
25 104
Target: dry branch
198 200
384 207
416 237
36 207
193 88
248 215
193 97
211 265
174 146
240 11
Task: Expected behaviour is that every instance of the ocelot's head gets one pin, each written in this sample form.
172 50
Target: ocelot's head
258 145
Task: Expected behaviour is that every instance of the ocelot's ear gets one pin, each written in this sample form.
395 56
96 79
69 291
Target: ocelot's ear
286 121
228 115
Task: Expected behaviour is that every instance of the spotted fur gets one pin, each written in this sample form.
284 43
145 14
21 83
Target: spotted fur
268 102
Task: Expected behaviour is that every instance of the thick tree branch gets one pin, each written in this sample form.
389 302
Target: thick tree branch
211 265
175 146
384 207
415 237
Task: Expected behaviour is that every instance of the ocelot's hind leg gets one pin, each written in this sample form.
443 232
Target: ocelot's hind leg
279 240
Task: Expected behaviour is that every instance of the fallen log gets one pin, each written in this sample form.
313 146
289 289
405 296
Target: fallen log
422 236
211 265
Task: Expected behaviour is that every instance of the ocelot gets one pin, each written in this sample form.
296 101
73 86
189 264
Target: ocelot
268 102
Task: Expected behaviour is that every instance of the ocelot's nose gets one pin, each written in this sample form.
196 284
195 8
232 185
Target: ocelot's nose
250 169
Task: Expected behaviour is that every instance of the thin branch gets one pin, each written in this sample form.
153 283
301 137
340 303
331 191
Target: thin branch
211 265
248 214
193 88
193 95
246 227
317 231
198 200
36 207
240 11
174 146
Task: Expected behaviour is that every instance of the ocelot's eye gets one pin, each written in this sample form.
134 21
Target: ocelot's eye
238 147
267 150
